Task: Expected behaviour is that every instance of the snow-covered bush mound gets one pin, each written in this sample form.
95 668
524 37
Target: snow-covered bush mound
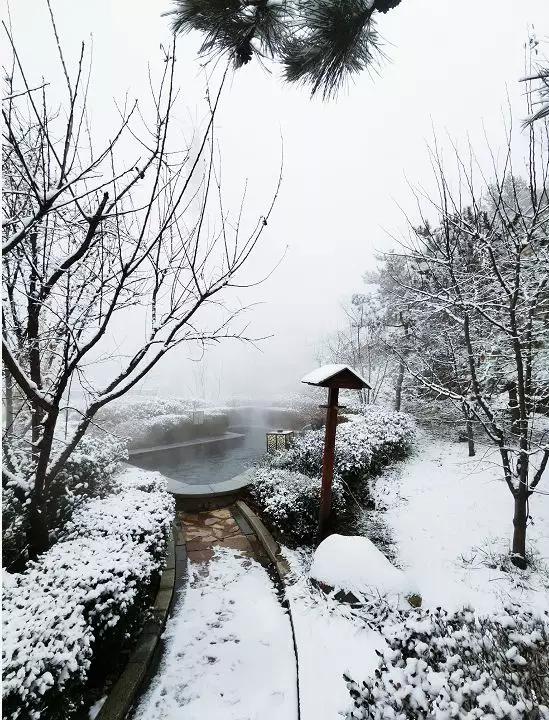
287 485
84 591
144 517
88 473
366 443
291 501
440 667
154 421
354 564
143 407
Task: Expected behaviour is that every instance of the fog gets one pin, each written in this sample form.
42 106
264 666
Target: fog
348 164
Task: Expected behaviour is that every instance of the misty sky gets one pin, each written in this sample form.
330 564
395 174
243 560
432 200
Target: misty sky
347 163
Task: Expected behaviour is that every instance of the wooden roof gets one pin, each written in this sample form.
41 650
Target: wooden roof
335 376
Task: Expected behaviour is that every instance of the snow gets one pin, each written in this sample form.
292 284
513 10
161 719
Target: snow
373 436
93 712
355 564
446 511
81 588
229 652
326 372
330 643
440 506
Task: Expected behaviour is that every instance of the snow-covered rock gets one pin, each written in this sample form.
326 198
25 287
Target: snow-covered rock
354 564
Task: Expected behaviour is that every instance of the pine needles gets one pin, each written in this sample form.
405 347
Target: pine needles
335 39
319 42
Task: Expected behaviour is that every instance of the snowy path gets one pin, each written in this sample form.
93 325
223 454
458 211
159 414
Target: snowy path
229 653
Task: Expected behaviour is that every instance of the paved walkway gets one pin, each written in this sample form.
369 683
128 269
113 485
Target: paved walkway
203 532
228 652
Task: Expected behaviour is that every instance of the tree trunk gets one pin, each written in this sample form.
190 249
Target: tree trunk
470 431
37 532
470 437
8 385
514 407
519 530
399 383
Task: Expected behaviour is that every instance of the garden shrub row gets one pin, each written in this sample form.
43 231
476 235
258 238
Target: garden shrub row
81 596
439 666
286 485
146 421
290 501
88 473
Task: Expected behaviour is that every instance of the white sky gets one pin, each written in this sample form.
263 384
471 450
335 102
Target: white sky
347 162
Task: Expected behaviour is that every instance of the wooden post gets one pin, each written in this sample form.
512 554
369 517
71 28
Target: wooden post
328 463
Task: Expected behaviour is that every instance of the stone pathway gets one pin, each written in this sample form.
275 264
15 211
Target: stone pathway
202 532
227 648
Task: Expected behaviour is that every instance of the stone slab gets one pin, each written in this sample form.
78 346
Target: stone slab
167 579
163 600
261 532
241 521
240 542
198 556
145 647
123 692
170 556
135 452
207 490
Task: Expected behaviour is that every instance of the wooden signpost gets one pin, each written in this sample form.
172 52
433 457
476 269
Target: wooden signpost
332 377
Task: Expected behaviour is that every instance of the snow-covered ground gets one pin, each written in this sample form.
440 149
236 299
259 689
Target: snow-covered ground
446 511
442 507
229 652
330 641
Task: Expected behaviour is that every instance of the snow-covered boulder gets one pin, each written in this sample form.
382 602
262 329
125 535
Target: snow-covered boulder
355 565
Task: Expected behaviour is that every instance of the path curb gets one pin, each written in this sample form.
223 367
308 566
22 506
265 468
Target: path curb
271 547
125 690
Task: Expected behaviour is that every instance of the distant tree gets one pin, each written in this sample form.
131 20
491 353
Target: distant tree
420 340
319 42
537 82
89 233
476 285
361 343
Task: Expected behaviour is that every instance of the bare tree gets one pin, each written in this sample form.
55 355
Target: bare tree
537 81
360 343
89 235
479 279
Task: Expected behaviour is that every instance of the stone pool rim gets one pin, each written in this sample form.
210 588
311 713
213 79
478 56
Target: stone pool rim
196 442
215 489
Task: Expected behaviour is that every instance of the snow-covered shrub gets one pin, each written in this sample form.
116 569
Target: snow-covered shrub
153 420
155 430
145 421
80 596
439 666
143 517
142 407
368 441
89 472
14 522
286 487
291 501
